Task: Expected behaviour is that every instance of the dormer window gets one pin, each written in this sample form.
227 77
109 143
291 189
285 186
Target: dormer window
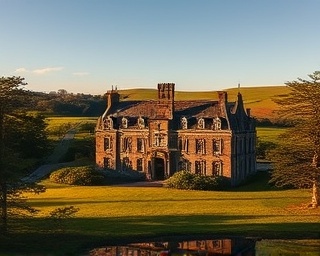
184 123
108 123
201 123
124 122
141 123
216 123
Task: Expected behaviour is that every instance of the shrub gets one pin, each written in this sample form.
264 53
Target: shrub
117 177
190 181
84 175
88 175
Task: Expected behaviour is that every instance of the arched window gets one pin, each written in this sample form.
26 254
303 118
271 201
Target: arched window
184 123
141 122
108 123
124 122
201 123
216 123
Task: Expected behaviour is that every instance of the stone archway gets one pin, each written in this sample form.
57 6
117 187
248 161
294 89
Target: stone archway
159 169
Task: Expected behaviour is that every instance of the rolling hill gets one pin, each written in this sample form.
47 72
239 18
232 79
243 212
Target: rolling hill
259 99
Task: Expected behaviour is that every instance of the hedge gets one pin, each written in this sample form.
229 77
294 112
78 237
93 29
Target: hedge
190 181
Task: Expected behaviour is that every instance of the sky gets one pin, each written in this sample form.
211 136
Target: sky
87 46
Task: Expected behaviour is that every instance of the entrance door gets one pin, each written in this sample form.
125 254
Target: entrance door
159 169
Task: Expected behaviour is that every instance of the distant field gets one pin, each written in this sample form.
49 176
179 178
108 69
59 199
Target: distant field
269 133
259 99
56 121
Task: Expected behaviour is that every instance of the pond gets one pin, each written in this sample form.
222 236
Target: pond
213 247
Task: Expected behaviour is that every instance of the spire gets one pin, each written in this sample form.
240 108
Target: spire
239 87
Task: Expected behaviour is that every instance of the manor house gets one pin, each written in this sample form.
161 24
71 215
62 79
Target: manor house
160 137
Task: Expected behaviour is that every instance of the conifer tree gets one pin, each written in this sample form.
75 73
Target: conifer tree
297 157
13 99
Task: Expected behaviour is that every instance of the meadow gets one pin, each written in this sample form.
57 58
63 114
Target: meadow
110 214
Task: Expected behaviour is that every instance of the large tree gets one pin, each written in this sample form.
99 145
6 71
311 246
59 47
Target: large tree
297 157
18 138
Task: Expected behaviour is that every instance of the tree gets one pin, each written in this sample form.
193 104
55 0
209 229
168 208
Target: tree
297 157
13 100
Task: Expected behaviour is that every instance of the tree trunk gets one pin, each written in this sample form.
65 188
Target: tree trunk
4 207
315 182
3 183
315 195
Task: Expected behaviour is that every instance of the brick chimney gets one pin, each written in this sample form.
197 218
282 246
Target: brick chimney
248 112
223 97
112 97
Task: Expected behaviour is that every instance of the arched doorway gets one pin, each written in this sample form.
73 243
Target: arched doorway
159 168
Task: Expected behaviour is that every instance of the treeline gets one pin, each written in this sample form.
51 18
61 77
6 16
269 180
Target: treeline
68 104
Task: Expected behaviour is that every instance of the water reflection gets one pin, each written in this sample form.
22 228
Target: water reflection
211 247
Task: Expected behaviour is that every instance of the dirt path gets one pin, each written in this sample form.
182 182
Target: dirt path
53 160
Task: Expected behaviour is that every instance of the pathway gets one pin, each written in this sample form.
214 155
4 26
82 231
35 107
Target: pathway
53 160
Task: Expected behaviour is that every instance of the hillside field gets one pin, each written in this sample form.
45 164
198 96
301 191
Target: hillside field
259 99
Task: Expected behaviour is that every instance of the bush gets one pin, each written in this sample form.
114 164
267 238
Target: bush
118 177
190 181
89 176
84 175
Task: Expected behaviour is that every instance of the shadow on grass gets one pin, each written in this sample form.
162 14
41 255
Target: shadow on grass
43 237
257 182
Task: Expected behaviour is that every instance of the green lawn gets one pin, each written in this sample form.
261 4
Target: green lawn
114 213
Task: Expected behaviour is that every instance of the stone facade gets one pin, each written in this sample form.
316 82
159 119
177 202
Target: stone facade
163 136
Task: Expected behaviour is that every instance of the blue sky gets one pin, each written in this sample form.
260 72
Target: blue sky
88 46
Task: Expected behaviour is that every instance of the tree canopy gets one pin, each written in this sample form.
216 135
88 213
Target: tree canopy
21 135
297 157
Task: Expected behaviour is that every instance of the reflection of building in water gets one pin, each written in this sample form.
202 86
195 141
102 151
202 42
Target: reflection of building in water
163 136
241 247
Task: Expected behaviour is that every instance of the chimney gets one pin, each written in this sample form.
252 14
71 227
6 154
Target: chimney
112 97
223 97
248 112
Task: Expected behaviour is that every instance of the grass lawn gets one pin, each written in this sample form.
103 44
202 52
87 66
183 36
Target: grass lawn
113 213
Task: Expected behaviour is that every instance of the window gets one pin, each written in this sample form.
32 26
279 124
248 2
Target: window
217 124
108 123
200 146
127 144
107 163
217 168
186 145
139 165
124 122
126 164
184 123
140 145
201 123
185 165
200 167
160 140
107 143
217 146
141 122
